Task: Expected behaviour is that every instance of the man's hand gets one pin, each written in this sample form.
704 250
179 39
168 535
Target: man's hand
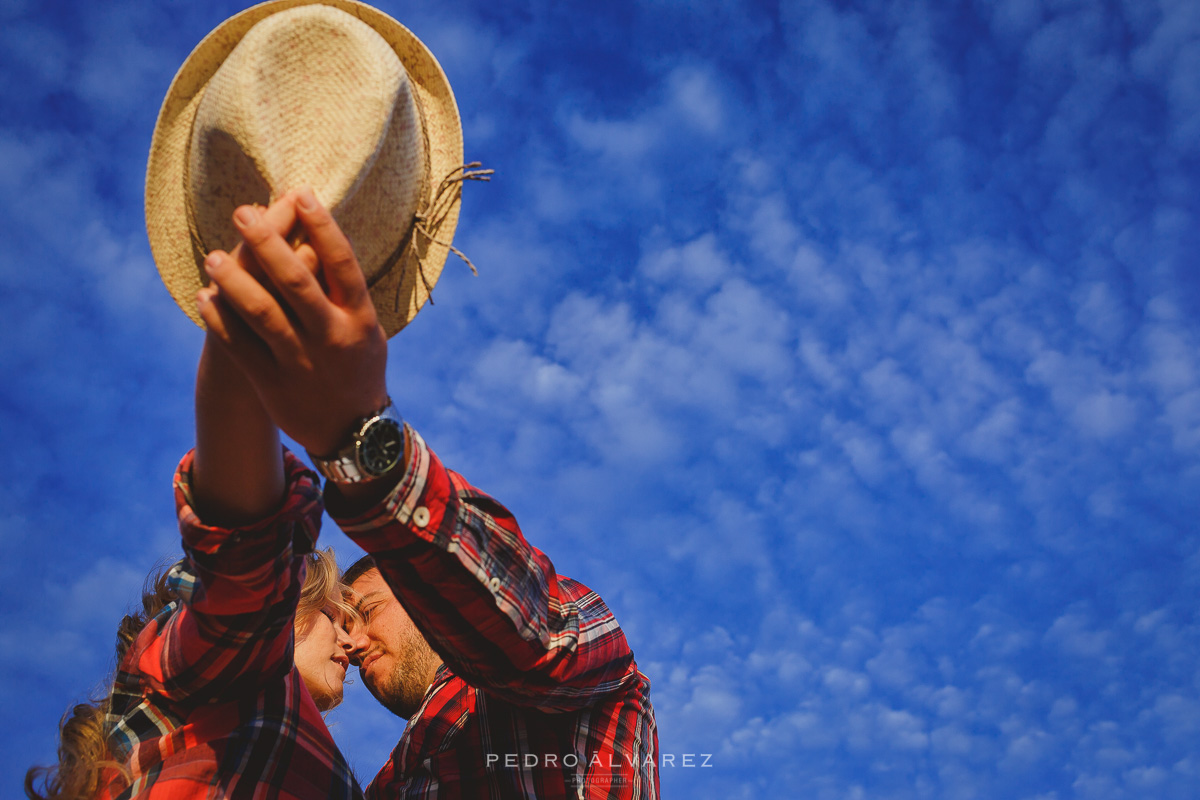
315 354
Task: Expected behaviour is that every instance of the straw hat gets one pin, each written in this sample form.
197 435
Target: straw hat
330 93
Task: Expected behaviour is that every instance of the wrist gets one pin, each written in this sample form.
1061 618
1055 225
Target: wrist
350 500
337 420
374 447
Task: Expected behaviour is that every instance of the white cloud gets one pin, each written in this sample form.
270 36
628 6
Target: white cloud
1171 364
1101 312
618 140
823 366
1176 715
88 657
995 438
684 112
1105 414
1083 391
863 449
698 264
746 331
470 50
769 222
845 682
901 730
697 98
815 281
103 594
1074 635
582 328
1170 56
510 372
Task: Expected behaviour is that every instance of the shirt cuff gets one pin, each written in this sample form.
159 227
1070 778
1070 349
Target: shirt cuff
299 515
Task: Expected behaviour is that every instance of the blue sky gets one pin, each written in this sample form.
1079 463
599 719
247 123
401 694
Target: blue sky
850 350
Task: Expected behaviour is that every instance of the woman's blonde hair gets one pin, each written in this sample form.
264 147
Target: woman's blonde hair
322 589
83 754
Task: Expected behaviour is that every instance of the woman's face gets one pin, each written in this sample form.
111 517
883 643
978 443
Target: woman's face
320 653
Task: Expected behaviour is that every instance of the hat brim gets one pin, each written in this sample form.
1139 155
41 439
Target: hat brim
399 294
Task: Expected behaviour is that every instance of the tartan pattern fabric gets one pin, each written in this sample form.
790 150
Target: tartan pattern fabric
207 702
539 695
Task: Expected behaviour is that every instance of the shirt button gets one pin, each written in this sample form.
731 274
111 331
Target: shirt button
421 517
494 584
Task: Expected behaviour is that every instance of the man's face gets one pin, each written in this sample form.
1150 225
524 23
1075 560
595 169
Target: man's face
395 662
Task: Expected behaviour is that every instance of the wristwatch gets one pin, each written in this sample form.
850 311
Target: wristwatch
375 446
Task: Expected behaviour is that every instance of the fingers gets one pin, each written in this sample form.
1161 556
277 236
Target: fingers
232 334
245 257
347 286
280 217
308 257
253 304
294 280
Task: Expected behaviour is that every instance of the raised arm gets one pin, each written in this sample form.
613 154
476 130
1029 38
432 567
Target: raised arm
489 603
237 471
245 514
492 606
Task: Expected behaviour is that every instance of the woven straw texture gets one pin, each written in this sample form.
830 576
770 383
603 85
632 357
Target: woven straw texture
361 112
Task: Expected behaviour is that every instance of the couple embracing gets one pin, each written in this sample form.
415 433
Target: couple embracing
302 192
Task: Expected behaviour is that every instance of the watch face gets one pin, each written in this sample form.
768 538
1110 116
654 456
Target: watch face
381 447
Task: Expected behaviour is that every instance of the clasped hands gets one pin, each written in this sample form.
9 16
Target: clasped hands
298 322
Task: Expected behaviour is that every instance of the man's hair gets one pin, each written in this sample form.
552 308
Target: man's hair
358 569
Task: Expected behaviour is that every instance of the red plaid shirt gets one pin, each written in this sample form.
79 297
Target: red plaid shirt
539 695
207 702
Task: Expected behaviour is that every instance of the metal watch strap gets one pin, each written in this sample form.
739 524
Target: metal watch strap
344 466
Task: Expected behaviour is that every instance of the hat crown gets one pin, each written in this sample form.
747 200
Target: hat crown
310 95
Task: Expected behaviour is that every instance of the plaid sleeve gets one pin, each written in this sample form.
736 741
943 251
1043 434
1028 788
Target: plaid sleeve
488 602
238 591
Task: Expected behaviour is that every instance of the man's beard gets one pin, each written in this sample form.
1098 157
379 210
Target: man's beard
403 689
391 695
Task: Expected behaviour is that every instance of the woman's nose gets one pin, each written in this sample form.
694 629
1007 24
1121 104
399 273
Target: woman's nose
353 642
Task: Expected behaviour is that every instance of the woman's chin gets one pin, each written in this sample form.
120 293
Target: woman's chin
326 697
328 703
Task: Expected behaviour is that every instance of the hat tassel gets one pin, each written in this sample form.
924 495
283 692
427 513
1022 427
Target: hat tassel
448 191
